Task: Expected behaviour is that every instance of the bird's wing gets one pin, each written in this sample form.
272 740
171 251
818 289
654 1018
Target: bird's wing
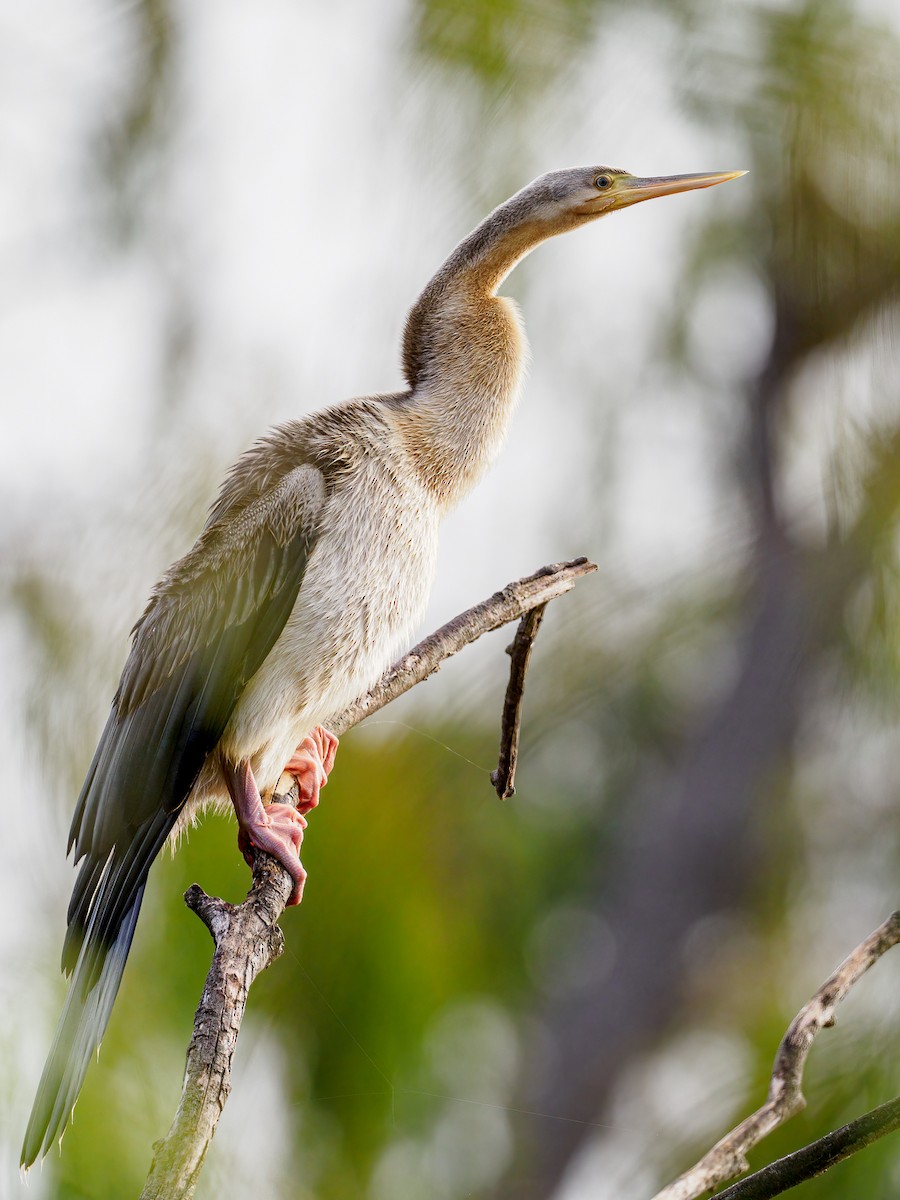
207 629
209 626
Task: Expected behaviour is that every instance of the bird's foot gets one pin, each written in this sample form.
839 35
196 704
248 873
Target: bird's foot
275 828
311 764
280 833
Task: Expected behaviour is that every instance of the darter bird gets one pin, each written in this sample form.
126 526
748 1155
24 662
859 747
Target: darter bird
310 575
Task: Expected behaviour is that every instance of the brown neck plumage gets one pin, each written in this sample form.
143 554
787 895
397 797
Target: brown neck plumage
464 354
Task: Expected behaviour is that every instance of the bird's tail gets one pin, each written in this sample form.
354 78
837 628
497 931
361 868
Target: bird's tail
85 1015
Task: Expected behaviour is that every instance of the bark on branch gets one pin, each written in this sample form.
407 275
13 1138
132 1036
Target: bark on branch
247 936
509 604
728 1157
818 1156
247 940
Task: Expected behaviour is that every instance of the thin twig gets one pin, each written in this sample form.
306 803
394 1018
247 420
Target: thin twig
247 937
729 1156
519 651
818 1156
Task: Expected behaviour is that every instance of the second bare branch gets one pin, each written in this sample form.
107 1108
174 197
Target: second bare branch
729 1156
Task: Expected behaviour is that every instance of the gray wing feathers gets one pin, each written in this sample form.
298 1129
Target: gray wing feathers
219 583
207 629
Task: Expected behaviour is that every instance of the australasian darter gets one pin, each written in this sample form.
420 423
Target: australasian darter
311 573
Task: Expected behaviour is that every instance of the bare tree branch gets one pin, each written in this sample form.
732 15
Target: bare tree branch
729 1156
519 650
247 936
247 940
423 660
818 1156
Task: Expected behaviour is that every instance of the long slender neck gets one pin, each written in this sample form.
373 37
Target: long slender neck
464 355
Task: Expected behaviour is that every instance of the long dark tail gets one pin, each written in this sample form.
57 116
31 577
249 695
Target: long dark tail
85 1015
118 829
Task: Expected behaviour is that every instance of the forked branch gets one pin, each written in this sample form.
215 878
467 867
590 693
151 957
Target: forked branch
728 1157
247 936
509 604
818 1156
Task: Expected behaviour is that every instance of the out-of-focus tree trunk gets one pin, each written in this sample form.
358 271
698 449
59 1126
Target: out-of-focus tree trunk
687 847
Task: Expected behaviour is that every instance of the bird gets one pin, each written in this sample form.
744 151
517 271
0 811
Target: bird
313 569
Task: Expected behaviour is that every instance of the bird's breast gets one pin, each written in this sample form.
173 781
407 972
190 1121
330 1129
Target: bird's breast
364 592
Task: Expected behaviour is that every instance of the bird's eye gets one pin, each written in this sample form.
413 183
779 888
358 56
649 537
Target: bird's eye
603 182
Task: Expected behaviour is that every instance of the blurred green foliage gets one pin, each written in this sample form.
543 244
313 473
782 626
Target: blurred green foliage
516 45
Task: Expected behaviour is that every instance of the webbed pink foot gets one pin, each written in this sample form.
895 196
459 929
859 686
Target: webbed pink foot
311 764
275 828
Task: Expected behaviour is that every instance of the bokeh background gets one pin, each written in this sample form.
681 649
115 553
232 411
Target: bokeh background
214 215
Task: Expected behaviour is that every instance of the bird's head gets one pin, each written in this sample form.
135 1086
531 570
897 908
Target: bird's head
551 204
571 197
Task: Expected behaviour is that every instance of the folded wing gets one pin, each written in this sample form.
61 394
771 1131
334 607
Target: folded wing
207 629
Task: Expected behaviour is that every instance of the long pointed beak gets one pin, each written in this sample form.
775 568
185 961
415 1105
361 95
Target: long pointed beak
634 190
